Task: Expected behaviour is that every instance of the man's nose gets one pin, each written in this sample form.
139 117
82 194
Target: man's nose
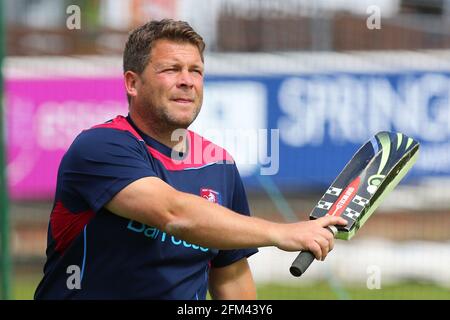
185 79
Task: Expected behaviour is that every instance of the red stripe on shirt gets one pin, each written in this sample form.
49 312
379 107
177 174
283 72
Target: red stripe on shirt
66 225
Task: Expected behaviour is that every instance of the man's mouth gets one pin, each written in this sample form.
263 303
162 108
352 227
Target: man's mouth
183 100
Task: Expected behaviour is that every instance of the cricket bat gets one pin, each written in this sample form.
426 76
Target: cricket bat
374 170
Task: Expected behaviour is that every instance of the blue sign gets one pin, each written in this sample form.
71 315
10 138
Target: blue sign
323 119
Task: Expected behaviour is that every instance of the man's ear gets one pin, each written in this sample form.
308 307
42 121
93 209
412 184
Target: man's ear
131 80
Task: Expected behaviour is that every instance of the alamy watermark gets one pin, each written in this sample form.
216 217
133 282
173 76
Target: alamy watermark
73 21
374 277
74 279
374 19
251 146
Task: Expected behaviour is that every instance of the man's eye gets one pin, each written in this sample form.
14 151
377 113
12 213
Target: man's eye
170 70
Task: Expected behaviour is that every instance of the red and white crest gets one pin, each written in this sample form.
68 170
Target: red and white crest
210 195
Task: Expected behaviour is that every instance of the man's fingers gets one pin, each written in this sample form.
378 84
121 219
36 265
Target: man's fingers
324 247
316 250
331 221
325 239
330 239
327 234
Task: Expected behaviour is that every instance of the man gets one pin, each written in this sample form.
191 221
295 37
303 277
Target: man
130 222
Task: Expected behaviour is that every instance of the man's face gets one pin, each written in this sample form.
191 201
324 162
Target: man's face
171 86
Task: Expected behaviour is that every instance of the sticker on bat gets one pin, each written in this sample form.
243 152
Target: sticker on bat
373 182
346 197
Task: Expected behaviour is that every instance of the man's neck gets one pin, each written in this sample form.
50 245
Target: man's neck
161 135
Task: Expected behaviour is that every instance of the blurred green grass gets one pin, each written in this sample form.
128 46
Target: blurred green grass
323 291
24 287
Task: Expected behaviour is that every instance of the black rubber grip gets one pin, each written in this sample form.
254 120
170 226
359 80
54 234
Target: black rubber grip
305 258
301 263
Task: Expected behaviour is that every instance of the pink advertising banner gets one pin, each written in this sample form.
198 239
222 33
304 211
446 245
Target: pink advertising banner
42 119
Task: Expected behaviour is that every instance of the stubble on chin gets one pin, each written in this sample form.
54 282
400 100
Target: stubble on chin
167 122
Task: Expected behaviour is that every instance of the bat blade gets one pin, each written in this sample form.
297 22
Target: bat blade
375 169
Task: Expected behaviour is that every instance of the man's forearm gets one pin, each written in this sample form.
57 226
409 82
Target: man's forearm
199 221
191 218
233 282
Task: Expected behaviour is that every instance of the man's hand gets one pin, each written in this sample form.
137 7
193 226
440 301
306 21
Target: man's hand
308 235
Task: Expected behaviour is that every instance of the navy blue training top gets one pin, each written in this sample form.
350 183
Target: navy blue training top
95 254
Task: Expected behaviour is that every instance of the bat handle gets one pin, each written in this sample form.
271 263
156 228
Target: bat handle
305 258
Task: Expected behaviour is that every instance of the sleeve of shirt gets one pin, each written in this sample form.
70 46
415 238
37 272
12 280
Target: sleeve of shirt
240 205
101 162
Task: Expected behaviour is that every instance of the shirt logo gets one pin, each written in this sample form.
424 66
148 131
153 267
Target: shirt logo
156 234
211 195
